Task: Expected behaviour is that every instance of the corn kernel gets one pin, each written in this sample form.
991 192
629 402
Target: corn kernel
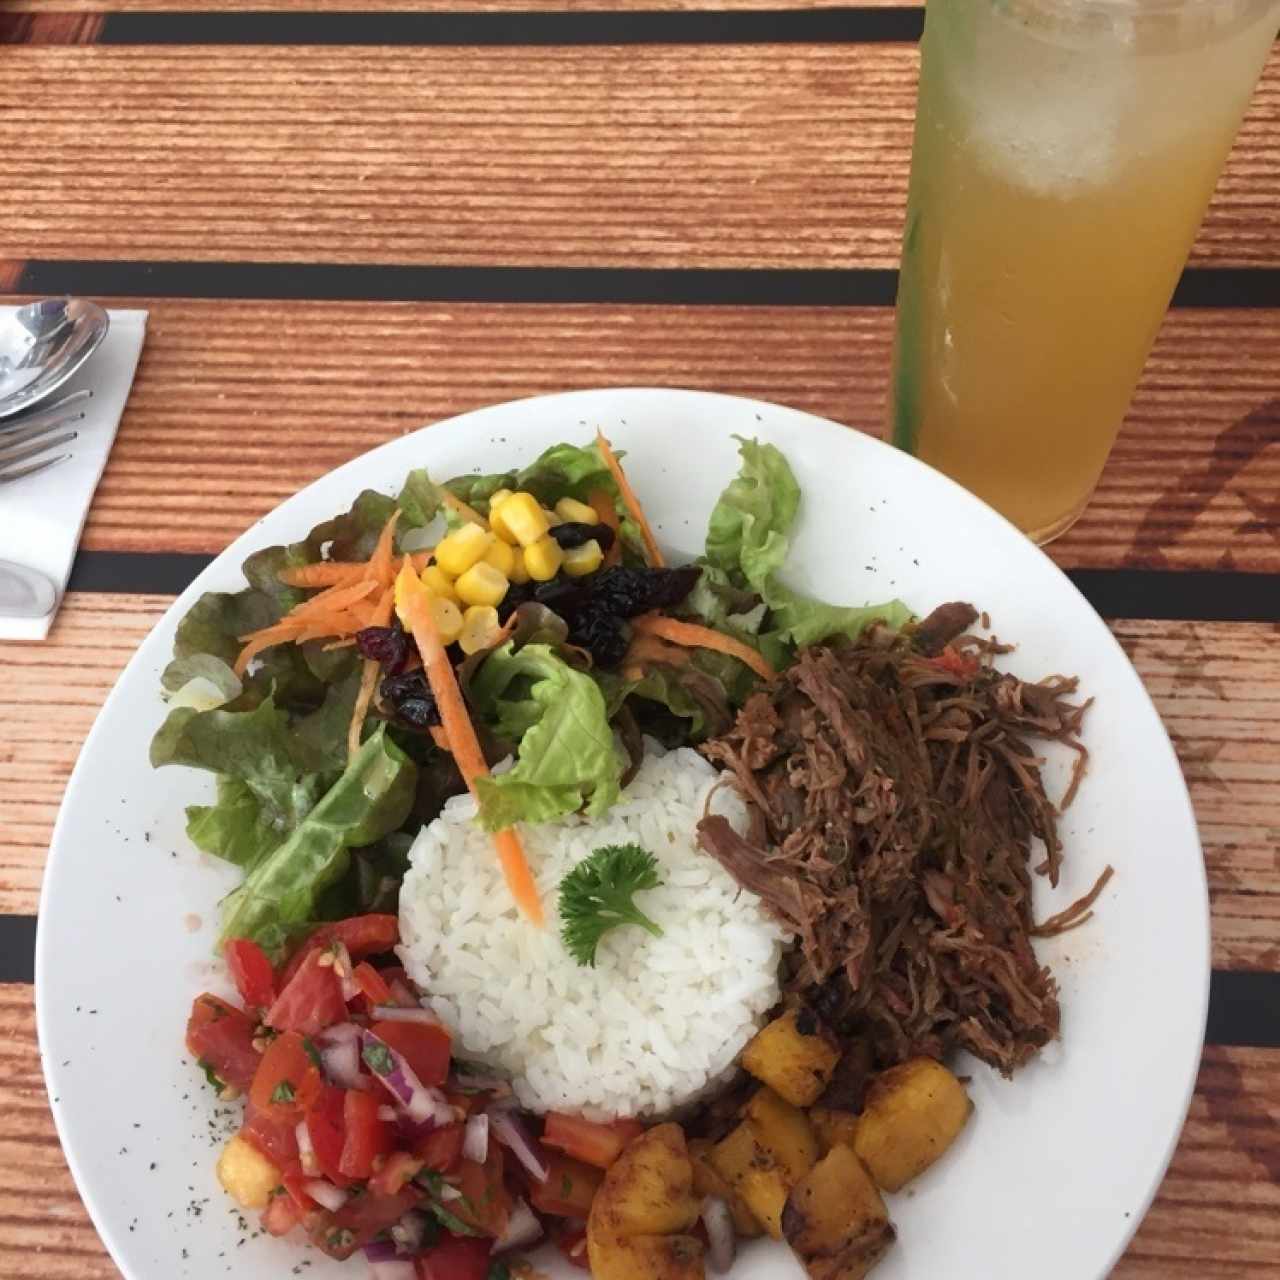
579 561
524 518
448 619
519 573
247 1176
462 548
543 559
438 582
497 498
481 584
480 627
575 512
552 518
498 524
502 556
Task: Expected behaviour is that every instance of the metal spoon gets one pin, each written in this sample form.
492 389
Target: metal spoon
42 345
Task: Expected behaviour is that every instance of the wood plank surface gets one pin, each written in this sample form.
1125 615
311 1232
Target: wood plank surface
1218 1213
1217 685
239 404
711 156
433 6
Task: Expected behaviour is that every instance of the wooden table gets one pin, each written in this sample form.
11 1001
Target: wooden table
345 226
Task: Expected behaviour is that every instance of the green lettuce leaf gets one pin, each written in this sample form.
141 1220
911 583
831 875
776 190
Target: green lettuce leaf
748 539
567 757
256 747
233 829
419 501
370 800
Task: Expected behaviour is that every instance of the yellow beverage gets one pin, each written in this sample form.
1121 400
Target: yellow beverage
1064 155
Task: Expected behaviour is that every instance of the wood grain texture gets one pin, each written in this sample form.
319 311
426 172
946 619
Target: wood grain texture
1218 1213
1217 685
237 405
714 156
434 6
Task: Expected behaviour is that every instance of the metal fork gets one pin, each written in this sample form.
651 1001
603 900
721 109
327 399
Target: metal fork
26 437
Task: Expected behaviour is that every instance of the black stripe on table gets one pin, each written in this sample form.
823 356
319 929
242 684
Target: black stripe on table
1244 1008
1114 593
519 27
1228 287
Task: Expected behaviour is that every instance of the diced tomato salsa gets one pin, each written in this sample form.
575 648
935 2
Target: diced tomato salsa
339 1113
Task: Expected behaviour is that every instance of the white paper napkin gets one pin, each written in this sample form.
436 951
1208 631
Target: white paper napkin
41 518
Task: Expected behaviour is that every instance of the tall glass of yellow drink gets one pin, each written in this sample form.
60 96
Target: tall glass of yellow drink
1065 151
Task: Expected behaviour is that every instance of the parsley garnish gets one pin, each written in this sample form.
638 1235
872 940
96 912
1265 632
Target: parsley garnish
378 1059
312 1052
597 895
499 1271
283 1092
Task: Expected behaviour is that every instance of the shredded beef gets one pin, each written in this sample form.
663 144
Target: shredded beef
895 801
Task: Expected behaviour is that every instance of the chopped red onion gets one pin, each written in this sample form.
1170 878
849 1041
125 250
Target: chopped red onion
381 1251
421 1103
721 1241
396 1269
510 1130
448 1192
325 1194
409 1233
389 1115
394 1013
345 970
475 1141
306 1152
523 1228
340 1055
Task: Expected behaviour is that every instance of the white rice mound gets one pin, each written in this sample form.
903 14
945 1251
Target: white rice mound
658 1020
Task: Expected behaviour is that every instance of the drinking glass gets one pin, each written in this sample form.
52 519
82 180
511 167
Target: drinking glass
1065 151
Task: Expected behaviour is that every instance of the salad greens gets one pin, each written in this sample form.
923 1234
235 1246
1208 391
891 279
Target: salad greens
567 759
372 798
319 836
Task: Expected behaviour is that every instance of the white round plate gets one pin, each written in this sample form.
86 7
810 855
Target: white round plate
1054 1171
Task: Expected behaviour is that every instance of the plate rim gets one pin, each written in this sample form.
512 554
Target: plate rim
213 569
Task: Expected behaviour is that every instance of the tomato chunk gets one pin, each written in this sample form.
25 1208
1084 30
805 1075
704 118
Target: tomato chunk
220 1037
327 1129
455 1258
568 1190
425 1046
277 1139
597 1144
398 1169
281 1215
311 1001
361 935
288 1082
371 983
486 1202
441 1149
365 1137
359 1221
251 972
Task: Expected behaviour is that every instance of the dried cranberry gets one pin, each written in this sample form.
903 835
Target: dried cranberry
628 592
573 533
602 634
388 645
410 698
564 595
518 593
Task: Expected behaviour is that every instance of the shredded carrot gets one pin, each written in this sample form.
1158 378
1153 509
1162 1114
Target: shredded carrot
439 737
348 643
381 568
602 504
339 573
325 573
286 629
630 499
369 677
334 600
457 505
416 614
694 636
